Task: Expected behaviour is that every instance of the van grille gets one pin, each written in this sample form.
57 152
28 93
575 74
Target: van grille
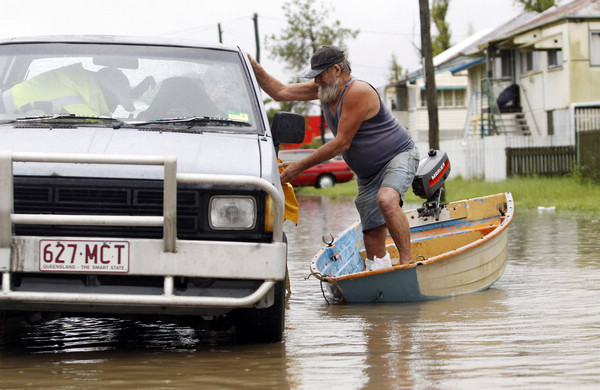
85 196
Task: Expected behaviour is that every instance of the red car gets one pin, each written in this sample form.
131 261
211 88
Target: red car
323 175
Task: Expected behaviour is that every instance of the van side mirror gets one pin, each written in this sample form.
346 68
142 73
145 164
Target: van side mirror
288 127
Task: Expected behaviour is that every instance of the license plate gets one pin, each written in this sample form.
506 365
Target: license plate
84 256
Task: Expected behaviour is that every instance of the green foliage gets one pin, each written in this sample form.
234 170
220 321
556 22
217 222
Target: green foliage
395 70
536 5
307 30
565 193
440 42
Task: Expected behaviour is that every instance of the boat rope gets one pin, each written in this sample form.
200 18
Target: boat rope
323 292
319 276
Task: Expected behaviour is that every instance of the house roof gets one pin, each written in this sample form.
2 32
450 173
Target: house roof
576 9
465 54
501 31
458 50
452 60
466 64
460 56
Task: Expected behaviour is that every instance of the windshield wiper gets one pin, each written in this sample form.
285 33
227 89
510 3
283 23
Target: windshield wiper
70 119
192 121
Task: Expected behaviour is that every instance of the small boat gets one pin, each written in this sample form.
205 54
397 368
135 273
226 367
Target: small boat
458 248
464 251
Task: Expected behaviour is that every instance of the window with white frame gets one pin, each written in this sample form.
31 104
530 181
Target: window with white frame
530 61
555 58
446 98
595 48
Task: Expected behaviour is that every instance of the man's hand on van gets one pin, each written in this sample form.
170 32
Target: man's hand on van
291 169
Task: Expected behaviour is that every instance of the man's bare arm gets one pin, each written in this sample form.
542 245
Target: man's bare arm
324 153
283 92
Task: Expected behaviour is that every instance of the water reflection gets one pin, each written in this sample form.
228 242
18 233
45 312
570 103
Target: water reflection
221 367
400 344
76 334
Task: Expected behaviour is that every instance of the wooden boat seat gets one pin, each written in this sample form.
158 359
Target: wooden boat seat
427 245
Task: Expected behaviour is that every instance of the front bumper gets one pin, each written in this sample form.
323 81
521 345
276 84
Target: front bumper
221 275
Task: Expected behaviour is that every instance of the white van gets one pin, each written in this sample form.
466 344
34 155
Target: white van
139 178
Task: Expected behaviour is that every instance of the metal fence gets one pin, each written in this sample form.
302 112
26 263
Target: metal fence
550 160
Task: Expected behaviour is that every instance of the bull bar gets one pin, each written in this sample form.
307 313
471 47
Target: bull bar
168 221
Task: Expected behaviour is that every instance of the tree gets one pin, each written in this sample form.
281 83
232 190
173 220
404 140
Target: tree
441 42
395 70
536 5
307 30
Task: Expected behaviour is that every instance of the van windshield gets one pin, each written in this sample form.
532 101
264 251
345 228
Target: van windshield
131 83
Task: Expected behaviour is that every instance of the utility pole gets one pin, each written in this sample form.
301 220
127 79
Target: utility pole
220 33
255 19
430 89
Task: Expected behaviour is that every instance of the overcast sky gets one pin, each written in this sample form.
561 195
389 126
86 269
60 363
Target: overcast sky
387 26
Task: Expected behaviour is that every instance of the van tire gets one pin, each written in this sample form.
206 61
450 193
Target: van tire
262 325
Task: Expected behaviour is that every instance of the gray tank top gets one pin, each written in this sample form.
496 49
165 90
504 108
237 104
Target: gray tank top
376 142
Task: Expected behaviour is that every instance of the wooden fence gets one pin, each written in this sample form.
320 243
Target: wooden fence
588 144
549 160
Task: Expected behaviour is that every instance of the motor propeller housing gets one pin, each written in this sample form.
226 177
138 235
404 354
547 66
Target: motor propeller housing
431 174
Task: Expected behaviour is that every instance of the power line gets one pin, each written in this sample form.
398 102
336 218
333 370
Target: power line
207 26
389 33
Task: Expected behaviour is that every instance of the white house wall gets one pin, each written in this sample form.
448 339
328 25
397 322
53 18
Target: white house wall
402 117
583 76
451 123
555 89
557 85
532 100
451 120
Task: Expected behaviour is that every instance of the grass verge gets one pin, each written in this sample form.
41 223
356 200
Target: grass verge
565 193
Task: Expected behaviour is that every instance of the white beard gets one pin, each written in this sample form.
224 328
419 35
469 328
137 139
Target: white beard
329 92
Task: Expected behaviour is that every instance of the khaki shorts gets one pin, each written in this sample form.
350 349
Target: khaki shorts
398 174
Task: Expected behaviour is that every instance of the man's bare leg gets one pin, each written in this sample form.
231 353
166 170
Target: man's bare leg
375 241
388 201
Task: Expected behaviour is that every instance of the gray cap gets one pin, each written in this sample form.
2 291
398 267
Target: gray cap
323 59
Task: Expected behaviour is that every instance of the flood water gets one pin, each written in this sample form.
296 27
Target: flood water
538 327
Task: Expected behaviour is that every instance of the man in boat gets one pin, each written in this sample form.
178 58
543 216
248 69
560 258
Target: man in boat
377 148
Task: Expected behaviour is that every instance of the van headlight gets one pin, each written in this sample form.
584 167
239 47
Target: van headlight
232 212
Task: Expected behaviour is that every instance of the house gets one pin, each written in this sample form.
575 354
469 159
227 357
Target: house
407 97
551 60
530 82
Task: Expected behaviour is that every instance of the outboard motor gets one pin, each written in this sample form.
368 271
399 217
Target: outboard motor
429 182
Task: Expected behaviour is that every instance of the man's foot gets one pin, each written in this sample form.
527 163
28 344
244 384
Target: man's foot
382 263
